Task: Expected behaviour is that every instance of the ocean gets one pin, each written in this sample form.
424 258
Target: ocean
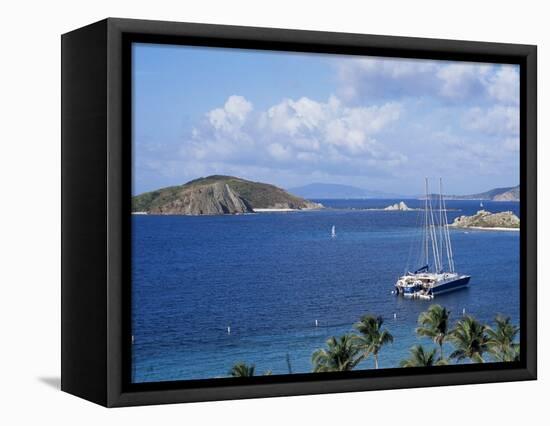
271 277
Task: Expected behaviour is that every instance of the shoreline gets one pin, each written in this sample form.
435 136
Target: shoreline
287 210
485 228
275 210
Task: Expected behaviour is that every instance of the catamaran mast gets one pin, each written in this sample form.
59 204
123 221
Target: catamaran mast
426 224
446 230
441 230
435 245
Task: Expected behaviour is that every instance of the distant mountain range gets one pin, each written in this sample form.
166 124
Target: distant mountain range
496 194
337 191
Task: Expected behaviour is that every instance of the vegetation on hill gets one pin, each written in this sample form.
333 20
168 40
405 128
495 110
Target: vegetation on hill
485 219
218 194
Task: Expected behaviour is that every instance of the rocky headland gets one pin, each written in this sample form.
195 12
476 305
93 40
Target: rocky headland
216 195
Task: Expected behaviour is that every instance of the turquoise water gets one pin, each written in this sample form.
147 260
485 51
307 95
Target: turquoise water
270 276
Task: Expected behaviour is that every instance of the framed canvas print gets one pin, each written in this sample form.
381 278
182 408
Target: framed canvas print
253 212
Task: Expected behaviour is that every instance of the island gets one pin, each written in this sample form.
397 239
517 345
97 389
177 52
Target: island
217 195
401 206
484 219
511 193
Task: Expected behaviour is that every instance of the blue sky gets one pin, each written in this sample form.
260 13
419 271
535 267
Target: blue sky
291 119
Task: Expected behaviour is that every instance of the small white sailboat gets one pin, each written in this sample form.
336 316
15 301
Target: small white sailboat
481 204
333 232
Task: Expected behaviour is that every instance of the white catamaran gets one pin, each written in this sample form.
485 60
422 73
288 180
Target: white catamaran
433 277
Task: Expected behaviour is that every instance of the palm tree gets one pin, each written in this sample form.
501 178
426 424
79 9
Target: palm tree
501 340
421 358
341 354
470 339
372 336
434 323
241 369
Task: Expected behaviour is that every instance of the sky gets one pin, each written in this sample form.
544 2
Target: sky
291 119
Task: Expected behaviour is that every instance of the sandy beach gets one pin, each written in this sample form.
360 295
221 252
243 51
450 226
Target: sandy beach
275 210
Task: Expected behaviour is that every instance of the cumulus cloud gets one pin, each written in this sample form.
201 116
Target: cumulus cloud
461 80
497 126
301 133
231 116
504 84
497 120
367 78
311 126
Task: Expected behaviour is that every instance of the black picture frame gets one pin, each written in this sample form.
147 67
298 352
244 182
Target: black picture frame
96 180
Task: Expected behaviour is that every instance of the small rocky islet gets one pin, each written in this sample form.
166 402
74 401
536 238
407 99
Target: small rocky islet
486 219
401 206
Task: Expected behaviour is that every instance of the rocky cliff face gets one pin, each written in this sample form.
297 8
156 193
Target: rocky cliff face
215 195
211 199
511 195
485 219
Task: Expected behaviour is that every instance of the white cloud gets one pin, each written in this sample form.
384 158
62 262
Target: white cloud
461 80
311 125
498 120
498 126
232 116
291 117
280 152
504 84
222 135
366 78
300 133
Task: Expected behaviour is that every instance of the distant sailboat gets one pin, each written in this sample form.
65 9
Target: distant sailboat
481 204
333 233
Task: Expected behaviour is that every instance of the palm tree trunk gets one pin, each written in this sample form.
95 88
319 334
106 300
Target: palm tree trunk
376 361
441 349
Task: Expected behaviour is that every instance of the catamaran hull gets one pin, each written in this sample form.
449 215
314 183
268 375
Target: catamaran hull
456 284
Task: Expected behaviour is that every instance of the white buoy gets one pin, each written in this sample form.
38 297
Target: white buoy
316 323
463 311
394 315
228 330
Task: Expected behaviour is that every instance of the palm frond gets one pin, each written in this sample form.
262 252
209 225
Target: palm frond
341 354
501 339
241 369
372 337
470 340
420 357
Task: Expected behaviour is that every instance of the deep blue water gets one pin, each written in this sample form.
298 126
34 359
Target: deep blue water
269 276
